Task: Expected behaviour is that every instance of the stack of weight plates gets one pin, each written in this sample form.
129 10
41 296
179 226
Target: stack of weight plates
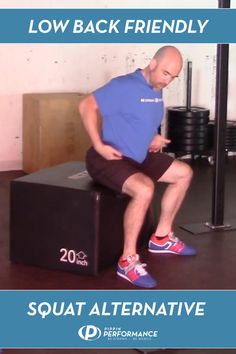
188 129
230 135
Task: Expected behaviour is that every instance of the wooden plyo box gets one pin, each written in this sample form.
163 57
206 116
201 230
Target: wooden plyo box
53 132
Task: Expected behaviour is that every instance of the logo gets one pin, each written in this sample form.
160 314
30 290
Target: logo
92 333
89 333
81 255
74 257
117 333
151 100
80 175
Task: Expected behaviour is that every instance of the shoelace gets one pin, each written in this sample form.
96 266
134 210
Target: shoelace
139 268
173 238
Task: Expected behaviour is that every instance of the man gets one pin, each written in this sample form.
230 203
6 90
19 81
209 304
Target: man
125 156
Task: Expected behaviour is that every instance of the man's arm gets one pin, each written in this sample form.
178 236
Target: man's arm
89 112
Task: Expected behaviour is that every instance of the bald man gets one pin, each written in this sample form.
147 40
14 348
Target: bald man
125 156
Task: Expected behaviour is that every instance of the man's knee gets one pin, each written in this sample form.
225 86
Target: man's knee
185 172
146 189
139 186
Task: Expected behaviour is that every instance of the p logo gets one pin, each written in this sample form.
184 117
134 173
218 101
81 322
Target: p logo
89 333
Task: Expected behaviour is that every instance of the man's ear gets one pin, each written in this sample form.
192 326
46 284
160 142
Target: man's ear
153 64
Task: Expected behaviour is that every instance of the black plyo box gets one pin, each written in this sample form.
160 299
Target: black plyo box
60 219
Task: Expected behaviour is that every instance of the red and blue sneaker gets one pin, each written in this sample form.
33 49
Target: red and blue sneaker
133 270
170 244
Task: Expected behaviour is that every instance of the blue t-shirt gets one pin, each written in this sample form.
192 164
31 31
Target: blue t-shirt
132 112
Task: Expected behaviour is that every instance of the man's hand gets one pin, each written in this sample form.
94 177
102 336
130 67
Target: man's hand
157 143
109 152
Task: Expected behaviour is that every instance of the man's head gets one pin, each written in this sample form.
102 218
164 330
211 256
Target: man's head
164 67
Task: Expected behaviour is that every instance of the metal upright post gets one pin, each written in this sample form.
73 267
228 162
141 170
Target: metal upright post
218 195
217 218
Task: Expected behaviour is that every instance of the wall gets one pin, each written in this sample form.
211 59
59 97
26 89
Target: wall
81 68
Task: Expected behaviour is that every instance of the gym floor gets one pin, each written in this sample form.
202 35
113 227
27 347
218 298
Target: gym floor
213 268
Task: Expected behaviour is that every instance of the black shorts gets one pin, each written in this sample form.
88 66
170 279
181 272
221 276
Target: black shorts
113 173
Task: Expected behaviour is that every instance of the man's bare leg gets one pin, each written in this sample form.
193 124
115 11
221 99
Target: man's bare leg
140 188
179 176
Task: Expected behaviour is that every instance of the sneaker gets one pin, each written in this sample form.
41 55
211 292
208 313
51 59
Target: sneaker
170 244
133 270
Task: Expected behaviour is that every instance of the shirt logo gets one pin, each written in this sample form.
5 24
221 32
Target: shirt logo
151 100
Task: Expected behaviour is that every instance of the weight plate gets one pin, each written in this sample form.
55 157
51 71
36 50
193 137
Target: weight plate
184 112
187 128
188 115
189 135
231 133
230 139
192 109
190 141
188 148
175 120
231 123
230 144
